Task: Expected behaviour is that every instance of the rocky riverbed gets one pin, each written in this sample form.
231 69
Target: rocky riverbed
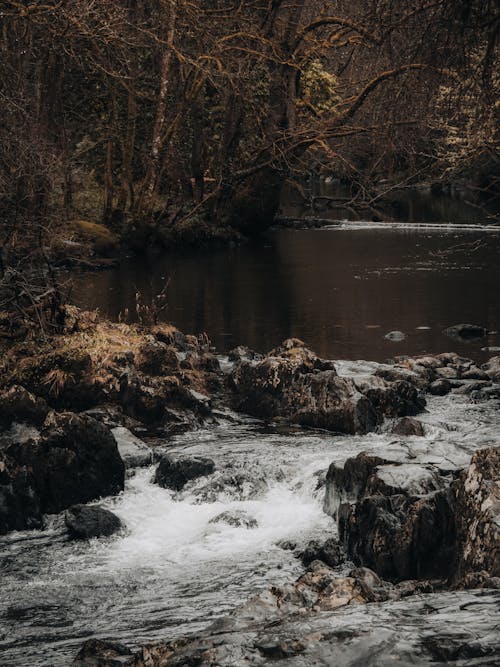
278 507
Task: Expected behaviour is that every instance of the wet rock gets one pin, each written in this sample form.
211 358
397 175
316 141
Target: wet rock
133 451
492 369
236 482
78 462
395 336
393 517
85 521
74 460
20 507
448 373
474 373
400 537
101 653
408 426
395 399
175 471
347 483
440 387
17 404
465 331
477 502
156 358
243 353
420 377
329 552
235 518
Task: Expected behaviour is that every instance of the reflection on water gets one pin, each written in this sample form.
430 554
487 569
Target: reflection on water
339 289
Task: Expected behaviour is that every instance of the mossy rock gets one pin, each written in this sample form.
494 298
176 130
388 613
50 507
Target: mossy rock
103 241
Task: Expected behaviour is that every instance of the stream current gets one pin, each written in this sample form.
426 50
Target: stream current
172 572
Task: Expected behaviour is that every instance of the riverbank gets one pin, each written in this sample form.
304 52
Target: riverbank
103 399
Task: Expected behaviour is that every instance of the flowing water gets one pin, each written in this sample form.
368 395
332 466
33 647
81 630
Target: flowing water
171 571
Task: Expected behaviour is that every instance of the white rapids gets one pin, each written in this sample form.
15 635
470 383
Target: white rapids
171 571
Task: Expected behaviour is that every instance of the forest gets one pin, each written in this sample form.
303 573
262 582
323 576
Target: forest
249 333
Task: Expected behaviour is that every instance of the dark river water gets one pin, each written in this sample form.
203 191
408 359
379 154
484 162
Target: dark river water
340 289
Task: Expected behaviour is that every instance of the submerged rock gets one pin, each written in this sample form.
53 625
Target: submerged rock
395 336
466 331
235 518
84 522
175 471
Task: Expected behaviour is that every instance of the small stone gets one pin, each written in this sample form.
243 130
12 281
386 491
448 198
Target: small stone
395 336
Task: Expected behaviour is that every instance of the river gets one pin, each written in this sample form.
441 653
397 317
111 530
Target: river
172 571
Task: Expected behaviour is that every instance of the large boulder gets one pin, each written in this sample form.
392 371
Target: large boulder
293 383
74 460
400 537
395 517
408 520
84 522
175 471
477 509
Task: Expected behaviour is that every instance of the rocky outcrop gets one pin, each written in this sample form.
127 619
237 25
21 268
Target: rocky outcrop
175 471
74 460
477 511
84 522
400 537
294 384
411 521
